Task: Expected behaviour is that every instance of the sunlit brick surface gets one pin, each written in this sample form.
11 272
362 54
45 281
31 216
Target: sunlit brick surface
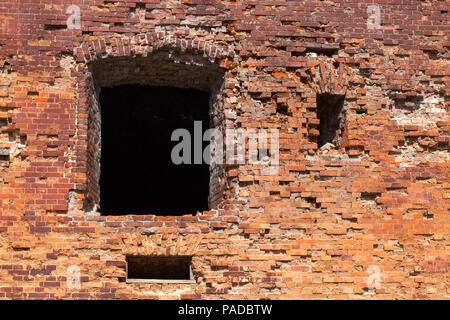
373 203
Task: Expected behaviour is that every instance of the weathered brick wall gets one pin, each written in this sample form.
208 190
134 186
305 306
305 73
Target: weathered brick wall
376 200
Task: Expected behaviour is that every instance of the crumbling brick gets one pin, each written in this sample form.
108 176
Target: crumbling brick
376 198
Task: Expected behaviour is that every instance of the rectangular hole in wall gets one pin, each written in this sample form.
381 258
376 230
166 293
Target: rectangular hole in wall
137 172
159 269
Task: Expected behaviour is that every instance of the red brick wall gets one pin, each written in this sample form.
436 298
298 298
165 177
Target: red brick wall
378 200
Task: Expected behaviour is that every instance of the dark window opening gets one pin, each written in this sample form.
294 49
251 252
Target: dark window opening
137 175
329 108
159 268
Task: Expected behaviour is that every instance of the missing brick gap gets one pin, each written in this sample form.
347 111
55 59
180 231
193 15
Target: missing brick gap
110 3
312 201
323 51
53 27
140 5
21 249
244 184
282 108
427 215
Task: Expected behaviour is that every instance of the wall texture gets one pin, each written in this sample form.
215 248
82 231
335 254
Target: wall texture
372 205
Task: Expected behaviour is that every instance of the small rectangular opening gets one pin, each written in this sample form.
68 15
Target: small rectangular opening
159 269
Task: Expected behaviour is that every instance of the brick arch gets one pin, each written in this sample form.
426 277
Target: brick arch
328 79
145 43
325 78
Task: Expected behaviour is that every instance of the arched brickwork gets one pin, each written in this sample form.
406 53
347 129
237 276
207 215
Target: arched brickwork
147 43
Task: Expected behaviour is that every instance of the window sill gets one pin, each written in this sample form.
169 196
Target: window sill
160 281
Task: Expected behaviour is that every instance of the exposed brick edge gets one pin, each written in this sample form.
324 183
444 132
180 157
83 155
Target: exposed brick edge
146 43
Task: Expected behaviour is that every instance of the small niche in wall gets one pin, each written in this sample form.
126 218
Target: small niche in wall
154 269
